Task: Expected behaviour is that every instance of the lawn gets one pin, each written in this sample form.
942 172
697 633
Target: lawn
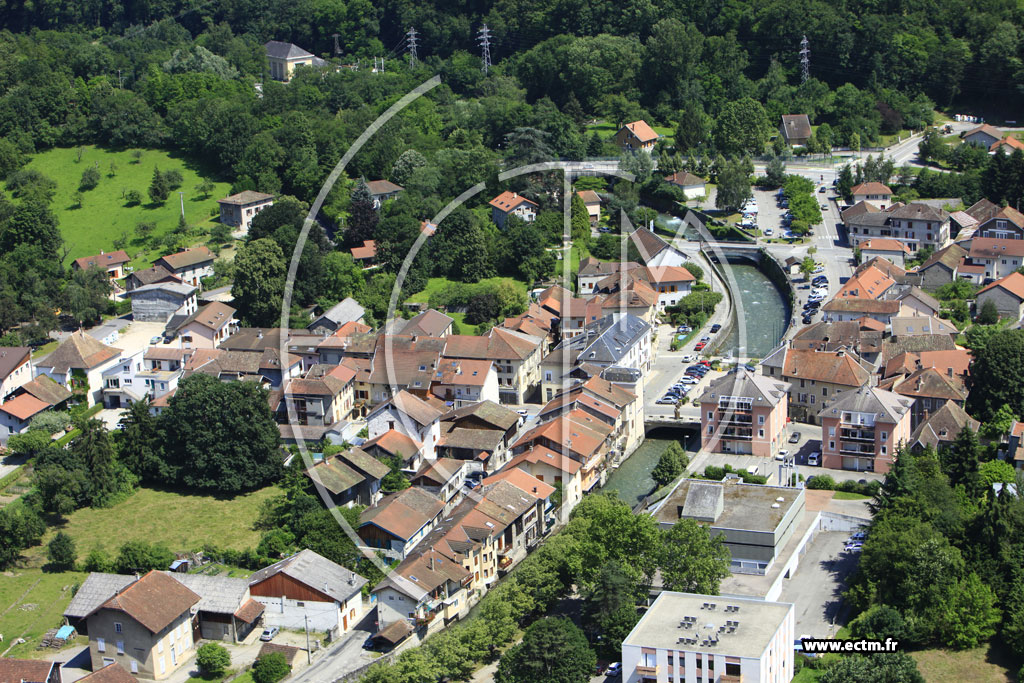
179 521
606 129
436 284
846 495
980 664
104 217
31 603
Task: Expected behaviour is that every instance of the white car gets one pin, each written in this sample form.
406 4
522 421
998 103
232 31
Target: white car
814 459
614 669
781 455
687 358
768 232
690 380
819 269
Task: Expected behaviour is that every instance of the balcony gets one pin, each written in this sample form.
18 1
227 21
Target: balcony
642 670
858 449
737 434
857 434
730 678
736 419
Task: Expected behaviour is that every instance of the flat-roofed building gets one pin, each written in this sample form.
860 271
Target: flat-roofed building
754 520
691 638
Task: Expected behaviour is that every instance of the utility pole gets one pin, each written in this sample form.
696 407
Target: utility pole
805 60
410 39
484 38
120 82
337 48
309 655
182 196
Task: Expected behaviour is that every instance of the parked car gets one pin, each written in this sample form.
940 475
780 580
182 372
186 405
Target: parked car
269 633
821 189
853 547
824 207
768 232
614 669
814 459
155 340
665 400
819 269
781 455
794 437
705 363
690 379
749 368
859 536
806 320
688 358
700 346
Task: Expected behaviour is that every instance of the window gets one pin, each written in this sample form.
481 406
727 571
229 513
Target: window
812 399
831 431
163 666
711 429
117 627
824 392
760 419
120 647
160 646
884 450
711 416
831 445
885 435
101 645
760 433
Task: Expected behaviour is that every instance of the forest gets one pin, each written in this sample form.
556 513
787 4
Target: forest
181 77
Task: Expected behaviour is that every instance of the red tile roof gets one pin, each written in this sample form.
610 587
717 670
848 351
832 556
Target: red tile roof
870 188
111 673
543 454
870 283
106 260
882 244
589 197
23 406
28 670
642 131
983 128
994 247
154 601
522 480
508 201
1011 143
1012 283
367 251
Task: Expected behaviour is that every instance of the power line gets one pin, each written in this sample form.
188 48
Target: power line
484 38
410 36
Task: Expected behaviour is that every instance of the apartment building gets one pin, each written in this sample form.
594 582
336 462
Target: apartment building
741 412
862 428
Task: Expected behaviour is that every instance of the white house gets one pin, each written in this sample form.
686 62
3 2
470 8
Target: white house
80 363
693 186
410 415
876 194
512 204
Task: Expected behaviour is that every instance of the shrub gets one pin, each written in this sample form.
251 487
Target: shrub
822 482
213 659
97 561
132 197
270 668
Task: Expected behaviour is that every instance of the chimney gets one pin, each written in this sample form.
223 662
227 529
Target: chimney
515 195
949 371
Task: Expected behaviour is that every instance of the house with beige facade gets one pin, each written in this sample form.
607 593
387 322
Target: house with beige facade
208 327
876 194
146 627
285 58
79 363
191 265
113 263
815 376
516 357
238 210
636 136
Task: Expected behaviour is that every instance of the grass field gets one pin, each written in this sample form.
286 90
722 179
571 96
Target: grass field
103 216
31 603
179 521
980 664
436 284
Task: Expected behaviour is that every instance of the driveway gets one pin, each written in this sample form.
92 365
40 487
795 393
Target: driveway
343 656
816 588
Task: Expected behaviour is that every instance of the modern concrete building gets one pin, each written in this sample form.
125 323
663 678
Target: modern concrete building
691 638
755 521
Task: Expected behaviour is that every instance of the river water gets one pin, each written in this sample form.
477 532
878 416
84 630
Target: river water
632 480
765 312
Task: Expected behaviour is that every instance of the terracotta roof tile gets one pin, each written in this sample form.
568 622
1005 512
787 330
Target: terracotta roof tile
111 258
642 131
871 188
1012 283
154 601
508 201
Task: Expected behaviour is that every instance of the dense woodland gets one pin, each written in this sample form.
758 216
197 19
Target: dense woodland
180 76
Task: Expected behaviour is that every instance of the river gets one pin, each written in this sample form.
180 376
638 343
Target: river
632 480
765 311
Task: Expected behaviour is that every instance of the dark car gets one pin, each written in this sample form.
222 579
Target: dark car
805 286
806 320
821 190
715 328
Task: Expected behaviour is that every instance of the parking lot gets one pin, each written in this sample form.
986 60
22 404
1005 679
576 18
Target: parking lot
816 588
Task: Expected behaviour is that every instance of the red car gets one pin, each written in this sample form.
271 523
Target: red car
700 346
705 362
